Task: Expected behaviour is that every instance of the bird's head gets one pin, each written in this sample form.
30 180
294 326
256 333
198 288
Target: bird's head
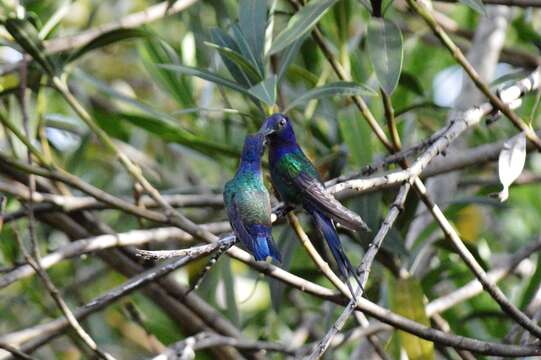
254 146
278 126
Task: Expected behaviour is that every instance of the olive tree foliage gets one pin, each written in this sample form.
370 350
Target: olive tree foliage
121 122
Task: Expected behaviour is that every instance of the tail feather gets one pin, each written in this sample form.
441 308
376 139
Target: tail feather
327 228
264 246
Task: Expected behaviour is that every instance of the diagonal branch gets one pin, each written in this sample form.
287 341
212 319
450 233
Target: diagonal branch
497 101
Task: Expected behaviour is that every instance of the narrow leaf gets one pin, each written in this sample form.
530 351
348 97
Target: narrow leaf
170 132
252 21
222 40
511 162
28 38
265 91
248 73
288 56
246 49
476 5
107 38
207 75
384 47
159 52
407 300
301 23
230 293
344 88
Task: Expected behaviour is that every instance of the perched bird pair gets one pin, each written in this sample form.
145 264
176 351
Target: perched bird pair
297 182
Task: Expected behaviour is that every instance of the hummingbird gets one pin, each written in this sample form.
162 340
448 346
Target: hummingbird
247 202
298 182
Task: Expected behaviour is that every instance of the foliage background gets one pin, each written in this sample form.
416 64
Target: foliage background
186 134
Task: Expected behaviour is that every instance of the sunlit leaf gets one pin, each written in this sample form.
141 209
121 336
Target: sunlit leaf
511 162
344 88
301 23
384 47
407 299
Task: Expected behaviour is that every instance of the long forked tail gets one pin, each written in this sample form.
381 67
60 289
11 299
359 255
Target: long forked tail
327 228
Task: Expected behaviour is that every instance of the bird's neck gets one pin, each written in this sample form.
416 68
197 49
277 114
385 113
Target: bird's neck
280 148
250 166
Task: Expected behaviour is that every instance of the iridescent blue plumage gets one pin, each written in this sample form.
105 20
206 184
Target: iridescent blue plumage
247 202
298 183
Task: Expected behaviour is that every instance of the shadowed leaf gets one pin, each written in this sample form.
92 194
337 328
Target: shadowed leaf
252 22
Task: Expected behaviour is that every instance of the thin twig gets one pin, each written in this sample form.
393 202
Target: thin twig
102 242
34 258
192 251
17 354
205 340
500 102
364 271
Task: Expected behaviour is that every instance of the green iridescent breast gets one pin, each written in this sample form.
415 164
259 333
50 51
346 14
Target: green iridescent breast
251 198
288 167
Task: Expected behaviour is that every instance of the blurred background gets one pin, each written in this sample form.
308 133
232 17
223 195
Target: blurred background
185 129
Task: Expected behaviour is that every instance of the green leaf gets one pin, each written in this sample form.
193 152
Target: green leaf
356 135
107 38
28 38
265 91
476 5
159 52
252 21
209 76
344 88
246 50
229 285
223 40
533 285
407 299
288 56
239 67
301 23
384 47
171 132
410 82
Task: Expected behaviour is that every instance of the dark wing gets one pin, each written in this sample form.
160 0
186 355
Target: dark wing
317 196
238 226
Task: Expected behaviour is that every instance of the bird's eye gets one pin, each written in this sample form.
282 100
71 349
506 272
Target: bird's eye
282 122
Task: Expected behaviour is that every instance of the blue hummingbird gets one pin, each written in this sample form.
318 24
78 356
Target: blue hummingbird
247 202
299 183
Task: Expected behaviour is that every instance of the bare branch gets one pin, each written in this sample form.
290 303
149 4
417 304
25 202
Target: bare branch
101 242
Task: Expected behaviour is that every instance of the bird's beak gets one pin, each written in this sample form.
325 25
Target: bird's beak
265 130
